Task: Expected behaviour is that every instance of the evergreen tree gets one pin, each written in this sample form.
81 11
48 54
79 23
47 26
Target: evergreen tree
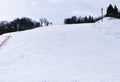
116 11
110 11
74 20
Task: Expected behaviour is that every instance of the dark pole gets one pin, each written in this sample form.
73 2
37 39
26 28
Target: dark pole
102 13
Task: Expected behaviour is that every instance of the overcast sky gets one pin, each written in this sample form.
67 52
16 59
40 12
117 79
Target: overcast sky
53 10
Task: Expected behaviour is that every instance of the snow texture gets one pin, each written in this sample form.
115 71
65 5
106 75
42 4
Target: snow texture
63 53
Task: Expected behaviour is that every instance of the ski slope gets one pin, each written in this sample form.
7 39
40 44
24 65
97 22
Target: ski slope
63 53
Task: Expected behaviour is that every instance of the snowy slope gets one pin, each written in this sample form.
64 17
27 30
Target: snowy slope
111 29
63 53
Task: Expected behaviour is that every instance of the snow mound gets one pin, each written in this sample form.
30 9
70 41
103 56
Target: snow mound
110 27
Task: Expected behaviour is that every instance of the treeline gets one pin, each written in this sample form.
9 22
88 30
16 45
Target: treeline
20 24
111 12
77 20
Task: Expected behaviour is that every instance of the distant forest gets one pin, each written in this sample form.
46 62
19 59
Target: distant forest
111 12
20 24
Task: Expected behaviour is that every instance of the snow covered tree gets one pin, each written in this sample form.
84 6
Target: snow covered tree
44 22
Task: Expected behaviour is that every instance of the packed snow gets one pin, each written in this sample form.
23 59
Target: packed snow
63 53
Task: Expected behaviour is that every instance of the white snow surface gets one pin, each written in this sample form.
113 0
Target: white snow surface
63 53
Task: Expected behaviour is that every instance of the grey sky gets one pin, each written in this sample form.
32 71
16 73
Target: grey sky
54 10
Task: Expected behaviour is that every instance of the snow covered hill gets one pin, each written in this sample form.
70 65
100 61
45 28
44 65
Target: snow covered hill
63 53
110 27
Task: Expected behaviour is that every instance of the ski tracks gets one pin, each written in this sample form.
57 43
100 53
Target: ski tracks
4 40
